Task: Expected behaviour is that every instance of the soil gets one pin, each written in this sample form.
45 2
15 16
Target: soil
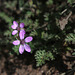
25 65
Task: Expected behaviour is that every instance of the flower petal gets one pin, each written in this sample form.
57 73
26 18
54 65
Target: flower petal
16 42
21 34
15 25
28 39
27 48
22 25
21 49
14 32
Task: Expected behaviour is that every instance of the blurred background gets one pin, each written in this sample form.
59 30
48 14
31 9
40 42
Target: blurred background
52 25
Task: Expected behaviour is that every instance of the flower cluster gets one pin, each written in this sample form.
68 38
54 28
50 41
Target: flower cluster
22 40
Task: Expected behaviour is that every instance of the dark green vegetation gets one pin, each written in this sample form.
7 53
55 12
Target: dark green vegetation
50 23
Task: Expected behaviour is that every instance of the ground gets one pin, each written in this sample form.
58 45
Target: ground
25 65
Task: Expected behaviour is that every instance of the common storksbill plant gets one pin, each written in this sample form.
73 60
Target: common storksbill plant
21 40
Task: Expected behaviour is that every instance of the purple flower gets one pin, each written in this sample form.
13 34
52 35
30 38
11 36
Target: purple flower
23 44
17 28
